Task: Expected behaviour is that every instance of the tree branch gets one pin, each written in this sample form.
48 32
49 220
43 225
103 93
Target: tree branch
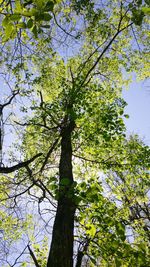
36 124
69 34
9 101
19 165
104 50
33 257
49 153
19 257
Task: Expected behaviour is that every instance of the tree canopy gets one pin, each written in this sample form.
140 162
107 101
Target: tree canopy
74 185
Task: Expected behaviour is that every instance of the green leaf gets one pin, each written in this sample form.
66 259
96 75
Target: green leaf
146 10
91 230
137 17
15 17
21 25
93 261
5 21
30 23
121 112
118 262
147 2
35 31
126 116
121 230
9 29
47 17
49 6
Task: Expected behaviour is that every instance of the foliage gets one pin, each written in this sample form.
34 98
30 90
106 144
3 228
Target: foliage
75 102
20 17
114 224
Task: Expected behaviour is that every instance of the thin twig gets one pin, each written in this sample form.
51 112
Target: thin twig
71 35
135 38
19 257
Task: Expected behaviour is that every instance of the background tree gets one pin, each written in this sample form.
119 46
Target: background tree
74 138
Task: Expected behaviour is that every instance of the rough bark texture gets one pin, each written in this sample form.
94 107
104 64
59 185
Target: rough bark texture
61 251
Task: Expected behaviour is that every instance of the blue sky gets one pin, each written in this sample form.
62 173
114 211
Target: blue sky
138 99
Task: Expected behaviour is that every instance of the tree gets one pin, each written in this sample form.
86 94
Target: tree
75 134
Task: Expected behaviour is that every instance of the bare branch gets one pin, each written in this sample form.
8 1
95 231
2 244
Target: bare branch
90 56
36 124
19 256
9 101
49 153
19 165
33 257
71 35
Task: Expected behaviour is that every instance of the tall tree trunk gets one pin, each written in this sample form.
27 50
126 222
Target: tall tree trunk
61 251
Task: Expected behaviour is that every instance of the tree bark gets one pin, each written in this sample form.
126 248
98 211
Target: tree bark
80 256
61 251
81 253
